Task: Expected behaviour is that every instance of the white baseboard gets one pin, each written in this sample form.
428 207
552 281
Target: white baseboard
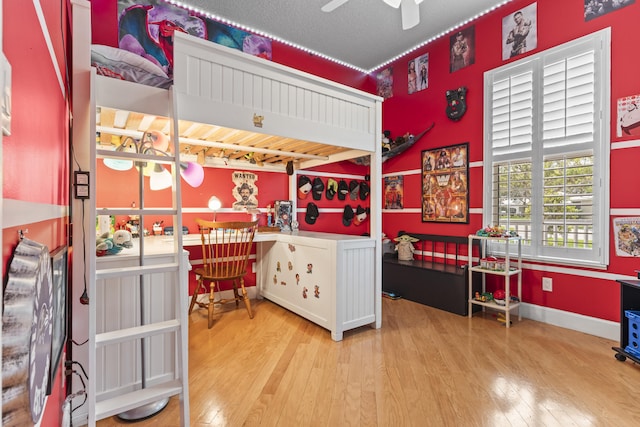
577 322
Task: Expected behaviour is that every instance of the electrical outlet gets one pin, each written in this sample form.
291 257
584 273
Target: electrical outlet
547 284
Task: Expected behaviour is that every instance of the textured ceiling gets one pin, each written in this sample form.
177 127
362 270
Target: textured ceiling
362 33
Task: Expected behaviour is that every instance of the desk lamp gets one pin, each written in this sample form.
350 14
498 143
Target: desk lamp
214 204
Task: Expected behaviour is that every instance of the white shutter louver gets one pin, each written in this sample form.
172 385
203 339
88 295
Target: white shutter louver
568 101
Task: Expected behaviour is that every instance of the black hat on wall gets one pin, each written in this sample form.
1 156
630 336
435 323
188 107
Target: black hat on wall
312 213
347 216
364 191
318 188
343 189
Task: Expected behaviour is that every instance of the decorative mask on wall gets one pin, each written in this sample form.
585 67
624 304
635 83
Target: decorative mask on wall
456 103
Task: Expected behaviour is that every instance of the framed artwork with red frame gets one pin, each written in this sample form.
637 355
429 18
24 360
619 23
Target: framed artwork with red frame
445 184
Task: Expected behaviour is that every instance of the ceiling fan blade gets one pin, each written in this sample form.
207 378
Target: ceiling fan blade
333 5
410 14
393 3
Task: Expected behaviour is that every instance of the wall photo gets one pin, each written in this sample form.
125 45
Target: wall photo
385 83
520 32
463 49
628 123
418 74
596 8
245 190
445 186
393 192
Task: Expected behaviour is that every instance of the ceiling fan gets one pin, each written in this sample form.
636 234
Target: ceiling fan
409 8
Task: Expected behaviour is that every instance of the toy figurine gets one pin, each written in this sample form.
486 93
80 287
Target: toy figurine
405 247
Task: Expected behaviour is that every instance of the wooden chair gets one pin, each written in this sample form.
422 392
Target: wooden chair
225 253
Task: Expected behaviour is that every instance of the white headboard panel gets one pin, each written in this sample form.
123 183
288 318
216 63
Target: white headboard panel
222 86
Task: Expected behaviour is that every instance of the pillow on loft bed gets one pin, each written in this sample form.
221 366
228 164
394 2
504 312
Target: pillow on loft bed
124 65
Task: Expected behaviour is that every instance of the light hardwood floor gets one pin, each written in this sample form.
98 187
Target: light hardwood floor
424 367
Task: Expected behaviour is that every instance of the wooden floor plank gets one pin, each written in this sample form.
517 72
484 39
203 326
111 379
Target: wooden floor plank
423 367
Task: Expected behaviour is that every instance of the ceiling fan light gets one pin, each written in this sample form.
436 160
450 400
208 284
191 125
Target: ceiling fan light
118 164
192 173
159 140
160 178
394 3
332 5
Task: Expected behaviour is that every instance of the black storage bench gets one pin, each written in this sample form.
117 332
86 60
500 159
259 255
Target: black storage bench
436 277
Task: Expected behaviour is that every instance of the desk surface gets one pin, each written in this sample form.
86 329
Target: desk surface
163 245
194 239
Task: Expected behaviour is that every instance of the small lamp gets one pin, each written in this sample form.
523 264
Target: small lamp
214 204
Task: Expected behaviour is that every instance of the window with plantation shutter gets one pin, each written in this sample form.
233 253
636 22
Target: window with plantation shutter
547 151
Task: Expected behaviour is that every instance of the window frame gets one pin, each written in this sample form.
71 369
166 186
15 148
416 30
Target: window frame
600 43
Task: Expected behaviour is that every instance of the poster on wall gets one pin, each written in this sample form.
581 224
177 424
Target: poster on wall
596 8
463 49
385 83
283 214
146 28
628 116
393 192
520 32
627 236
245 190
445 196
418 74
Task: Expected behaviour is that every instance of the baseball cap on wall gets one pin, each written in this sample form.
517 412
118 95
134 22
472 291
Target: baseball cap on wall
347 216
364 191
304 186
312 213
343 189
332 188
360 215
354 189
318 188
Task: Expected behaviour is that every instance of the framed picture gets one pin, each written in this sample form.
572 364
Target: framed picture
282 216
445 184
594 9
520 32
462 46
393 192
58 310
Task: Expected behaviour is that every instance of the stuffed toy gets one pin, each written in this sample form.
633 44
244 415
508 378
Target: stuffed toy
106 245
122 238
405 247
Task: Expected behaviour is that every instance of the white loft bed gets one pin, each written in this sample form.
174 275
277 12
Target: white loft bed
216 94
227 99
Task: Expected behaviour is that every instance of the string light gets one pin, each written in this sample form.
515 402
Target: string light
327 57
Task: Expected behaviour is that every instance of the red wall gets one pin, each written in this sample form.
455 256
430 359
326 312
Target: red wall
35 156
558 22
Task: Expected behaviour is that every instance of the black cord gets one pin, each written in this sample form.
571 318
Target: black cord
80 343
70 363
84 387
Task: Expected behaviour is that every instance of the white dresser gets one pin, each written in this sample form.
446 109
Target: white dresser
326 278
